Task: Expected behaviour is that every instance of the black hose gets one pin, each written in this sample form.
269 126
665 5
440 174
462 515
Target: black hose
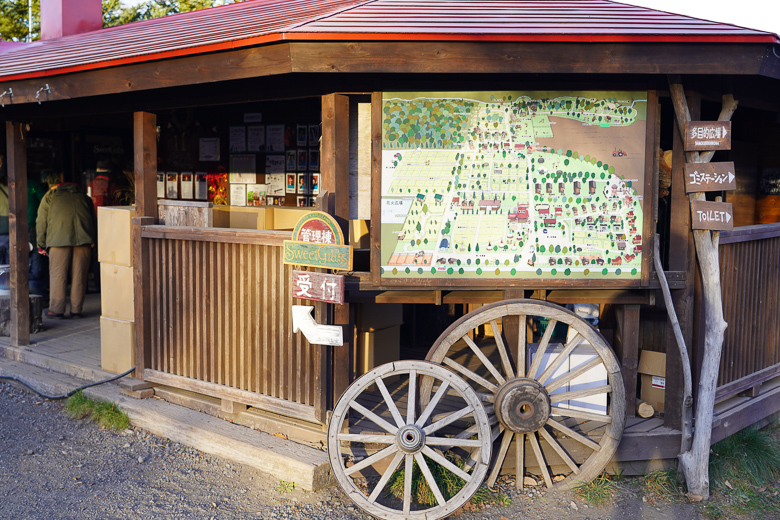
65 396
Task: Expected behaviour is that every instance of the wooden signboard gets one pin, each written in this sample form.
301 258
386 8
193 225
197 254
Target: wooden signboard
707 135
318 242
321 287
712 215
710 177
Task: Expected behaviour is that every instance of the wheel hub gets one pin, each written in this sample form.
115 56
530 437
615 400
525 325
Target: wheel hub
522 405
411 438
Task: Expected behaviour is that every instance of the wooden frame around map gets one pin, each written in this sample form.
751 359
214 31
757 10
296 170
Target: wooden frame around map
648 204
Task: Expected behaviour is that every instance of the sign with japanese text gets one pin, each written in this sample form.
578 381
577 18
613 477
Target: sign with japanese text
712 215
710 177
318 242
321 287
707 135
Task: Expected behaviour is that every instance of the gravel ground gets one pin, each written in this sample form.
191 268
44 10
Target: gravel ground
53 467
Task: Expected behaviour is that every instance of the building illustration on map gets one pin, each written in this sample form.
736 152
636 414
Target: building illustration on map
487 185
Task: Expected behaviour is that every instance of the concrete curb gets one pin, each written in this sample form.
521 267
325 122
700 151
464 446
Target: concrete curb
307 467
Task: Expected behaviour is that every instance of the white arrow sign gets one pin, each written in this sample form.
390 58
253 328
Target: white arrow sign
315 333
731 177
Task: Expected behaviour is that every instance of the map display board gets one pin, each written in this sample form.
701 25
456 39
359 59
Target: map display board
485 187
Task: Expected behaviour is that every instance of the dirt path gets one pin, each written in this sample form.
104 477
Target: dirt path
53 467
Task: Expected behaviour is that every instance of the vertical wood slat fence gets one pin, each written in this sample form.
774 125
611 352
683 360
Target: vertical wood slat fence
750 283
220 318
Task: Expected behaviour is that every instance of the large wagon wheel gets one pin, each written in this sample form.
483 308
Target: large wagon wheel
536 394
378 427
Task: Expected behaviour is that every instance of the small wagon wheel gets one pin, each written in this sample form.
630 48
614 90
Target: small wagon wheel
540 404
378 429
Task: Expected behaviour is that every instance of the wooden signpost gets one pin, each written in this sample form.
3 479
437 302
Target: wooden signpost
717 216
321 287
707 135
710 177
318 242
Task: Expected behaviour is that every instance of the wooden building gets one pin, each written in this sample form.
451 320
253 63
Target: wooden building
213 305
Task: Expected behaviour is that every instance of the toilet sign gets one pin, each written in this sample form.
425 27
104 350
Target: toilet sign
717 216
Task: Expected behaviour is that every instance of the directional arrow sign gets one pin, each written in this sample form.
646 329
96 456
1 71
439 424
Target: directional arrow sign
707 135
712 215
315 333
710 177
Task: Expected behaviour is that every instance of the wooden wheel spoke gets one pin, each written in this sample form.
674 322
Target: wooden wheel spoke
381 454
445 463
540 459
449 419
574 435
559 450
389 402
569 376
432 404
502 350
374 439
558 361
408 483
453 442
521 345
410 405
471 375
567 412
429 478
374 418
578 394
485 361
537 360
386 476
498 464
519 456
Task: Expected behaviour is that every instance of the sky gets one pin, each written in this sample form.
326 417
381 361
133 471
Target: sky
753 14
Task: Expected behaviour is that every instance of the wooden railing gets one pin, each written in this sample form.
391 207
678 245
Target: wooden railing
219 316
750 280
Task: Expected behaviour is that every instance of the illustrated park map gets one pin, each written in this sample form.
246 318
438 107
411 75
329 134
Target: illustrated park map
492 185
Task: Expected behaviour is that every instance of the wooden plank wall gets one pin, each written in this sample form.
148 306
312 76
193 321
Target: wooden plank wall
219 314
750 280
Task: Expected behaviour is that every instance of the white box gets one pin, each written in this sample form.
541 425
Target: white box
595 377
550 355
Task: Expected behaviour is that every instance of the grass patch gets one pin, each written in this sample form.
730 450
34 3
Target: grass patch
663 484
105 414
744 470
598 491
449 484
751 455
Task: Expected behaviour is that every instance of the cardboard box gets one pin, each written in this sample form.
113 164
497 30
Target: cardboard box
116 292
378 316
377 348
287 218
250 217
652 369
117 345
115 235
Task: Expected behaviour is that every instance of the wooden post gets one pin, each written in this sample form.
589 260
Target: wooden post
681 258
18 236
628 330
335 178
142 294
145 159
145 171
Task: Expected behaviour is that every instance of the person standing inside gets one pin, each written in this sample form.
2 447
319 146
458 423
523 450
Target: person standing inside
66 233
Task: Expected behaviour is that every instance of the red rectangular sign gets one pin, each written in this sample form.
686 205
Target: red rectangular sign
321 287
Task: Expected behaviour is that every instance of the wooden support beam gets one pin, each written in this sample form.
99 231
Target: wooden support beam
628 334
145 164
18 236
142 297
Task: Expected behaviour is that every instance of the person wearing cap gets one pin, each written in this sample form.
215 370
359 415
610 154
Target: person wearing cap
66 233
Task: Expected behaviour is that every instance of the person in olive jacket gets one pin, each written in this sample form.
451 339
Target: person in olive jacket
66 233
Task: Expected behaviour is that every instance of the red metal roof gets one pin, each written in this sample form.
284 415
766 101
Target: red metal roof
256 22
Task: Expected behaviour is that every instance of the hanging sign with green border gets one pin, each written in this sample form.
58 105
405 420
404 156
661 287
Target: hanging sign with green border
318 242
